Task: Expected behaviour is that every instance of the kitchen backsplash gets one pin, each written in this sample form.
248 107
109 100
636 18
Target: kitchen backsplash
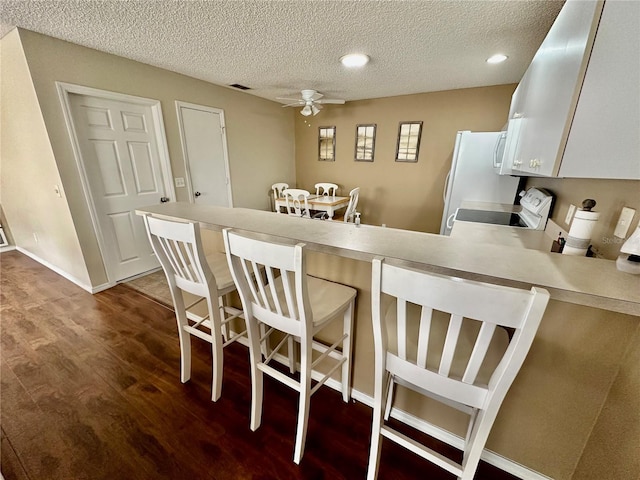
610 195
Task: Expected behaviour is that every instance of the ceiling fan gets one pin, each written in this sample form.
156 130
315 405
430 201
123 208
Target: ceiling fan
311 101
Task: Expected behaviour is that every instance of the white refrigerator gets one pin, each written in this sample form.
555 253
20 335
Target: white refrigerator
473 175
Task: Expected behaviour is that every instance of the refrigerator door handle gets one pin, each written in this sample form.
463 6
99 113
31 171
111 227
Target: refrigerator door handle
450 220
496 161
446 186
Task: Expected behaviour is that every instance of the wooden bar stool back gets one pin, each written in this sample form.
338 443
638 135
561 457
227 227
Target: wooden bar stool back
439 336
199 280
286 300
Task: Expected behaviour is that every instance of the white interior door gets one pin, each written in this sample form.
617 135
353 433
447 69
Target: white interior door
120 156
205 152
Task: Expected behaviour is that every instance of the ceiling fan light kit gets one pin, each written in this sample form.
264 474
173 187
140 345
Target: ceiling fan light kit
310 110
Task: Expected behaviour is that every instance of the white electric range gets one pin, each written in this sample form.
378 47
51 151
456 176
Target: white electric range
536 206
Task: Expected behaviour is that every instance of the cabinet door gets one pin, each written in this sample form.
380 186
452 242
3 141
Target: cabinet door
604 141
553 83
510 146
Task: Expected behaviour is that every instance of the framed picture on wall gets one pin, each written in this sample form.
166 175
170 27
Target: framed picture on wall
365 142
327 144
408 141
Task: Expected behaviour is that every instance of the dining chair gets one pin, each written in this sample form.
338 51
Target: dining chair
277 189
350 211
297 202
287 300
438 336
178 247
327 189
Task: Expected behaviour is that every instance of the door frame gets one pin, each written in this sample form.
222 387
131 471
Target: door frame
64 91
185 155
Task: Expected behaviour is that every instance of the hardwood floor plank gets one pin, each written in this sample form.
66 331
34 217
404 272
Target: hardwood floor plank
90 389
10 464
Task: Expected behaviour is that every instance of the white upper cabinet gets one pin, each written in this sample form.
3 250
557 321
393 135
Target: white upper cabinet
604 140
546 98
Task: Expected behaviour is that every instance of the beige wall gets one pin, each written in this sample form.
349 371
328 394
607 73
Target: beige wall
260 134
612 450
401 195
610 195
28 171
409 195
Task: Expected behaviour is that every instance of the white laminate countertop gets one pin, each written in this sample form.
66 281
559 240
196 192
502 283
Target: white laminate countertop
584 281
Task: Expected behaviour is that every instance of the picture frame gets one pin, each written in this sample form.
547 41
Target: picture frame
365 142
408 145
327 144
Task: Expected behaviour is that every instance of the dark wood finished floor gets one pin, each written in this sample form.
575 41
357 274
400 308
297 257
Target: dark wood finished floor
91 390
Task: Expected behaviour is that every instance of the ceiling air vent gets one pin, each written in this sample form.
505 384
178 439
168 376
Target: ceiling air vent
239 87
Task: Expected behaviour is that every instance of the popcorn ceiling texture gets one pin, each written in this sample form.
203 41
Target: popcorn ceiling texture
280 47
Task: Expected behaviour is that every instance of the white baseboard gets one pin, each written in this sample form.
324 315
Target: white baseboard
64 274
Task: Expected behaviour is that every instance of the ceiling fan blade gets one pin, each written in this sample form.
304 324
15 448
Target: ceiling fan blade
335 101
288 99
297 104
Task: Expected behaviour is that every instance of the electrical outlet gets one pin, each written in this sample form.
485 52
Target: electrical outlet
179 181
624 222
570 213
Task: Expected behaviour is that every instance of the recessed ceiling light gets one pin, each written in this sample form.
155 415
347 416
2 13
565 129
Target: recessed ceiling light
355 60
497 58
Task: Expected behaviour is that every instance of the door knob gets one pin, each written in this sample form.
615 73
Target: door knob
197 194
164 199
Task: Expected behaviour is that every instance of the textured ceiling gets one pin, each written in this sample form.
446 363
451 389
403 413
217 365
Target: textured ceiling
280 47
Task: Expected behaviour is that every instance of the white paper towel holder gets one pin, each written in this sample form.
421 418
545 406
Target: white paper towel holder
579 236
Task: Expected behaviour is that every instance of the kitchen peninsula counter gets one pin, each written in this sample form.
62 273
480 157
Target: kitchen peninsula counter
589 282
578 367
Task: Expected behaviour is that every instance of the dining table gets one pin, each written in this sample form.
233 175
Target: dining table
322 203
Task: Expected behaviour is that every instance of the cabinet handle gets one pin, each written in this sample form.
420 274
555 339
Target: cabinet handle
534 163
518 115
517 163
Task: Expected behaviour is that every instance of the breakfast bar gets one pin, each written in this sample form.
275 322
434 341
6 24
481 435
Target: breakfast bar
574 387
592 282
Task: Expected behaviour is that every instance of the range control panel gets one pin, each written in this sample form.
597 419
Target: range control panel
537 201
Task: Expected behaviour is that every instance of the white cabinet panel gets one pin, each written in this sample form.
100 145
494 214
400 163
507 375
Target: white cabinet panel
604 141
551 86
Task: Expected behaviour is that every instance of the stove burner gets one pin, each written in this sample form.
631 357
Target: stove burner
491 217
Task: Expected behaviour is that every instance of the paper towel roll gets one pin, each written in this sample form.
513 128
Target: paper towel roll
579 237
